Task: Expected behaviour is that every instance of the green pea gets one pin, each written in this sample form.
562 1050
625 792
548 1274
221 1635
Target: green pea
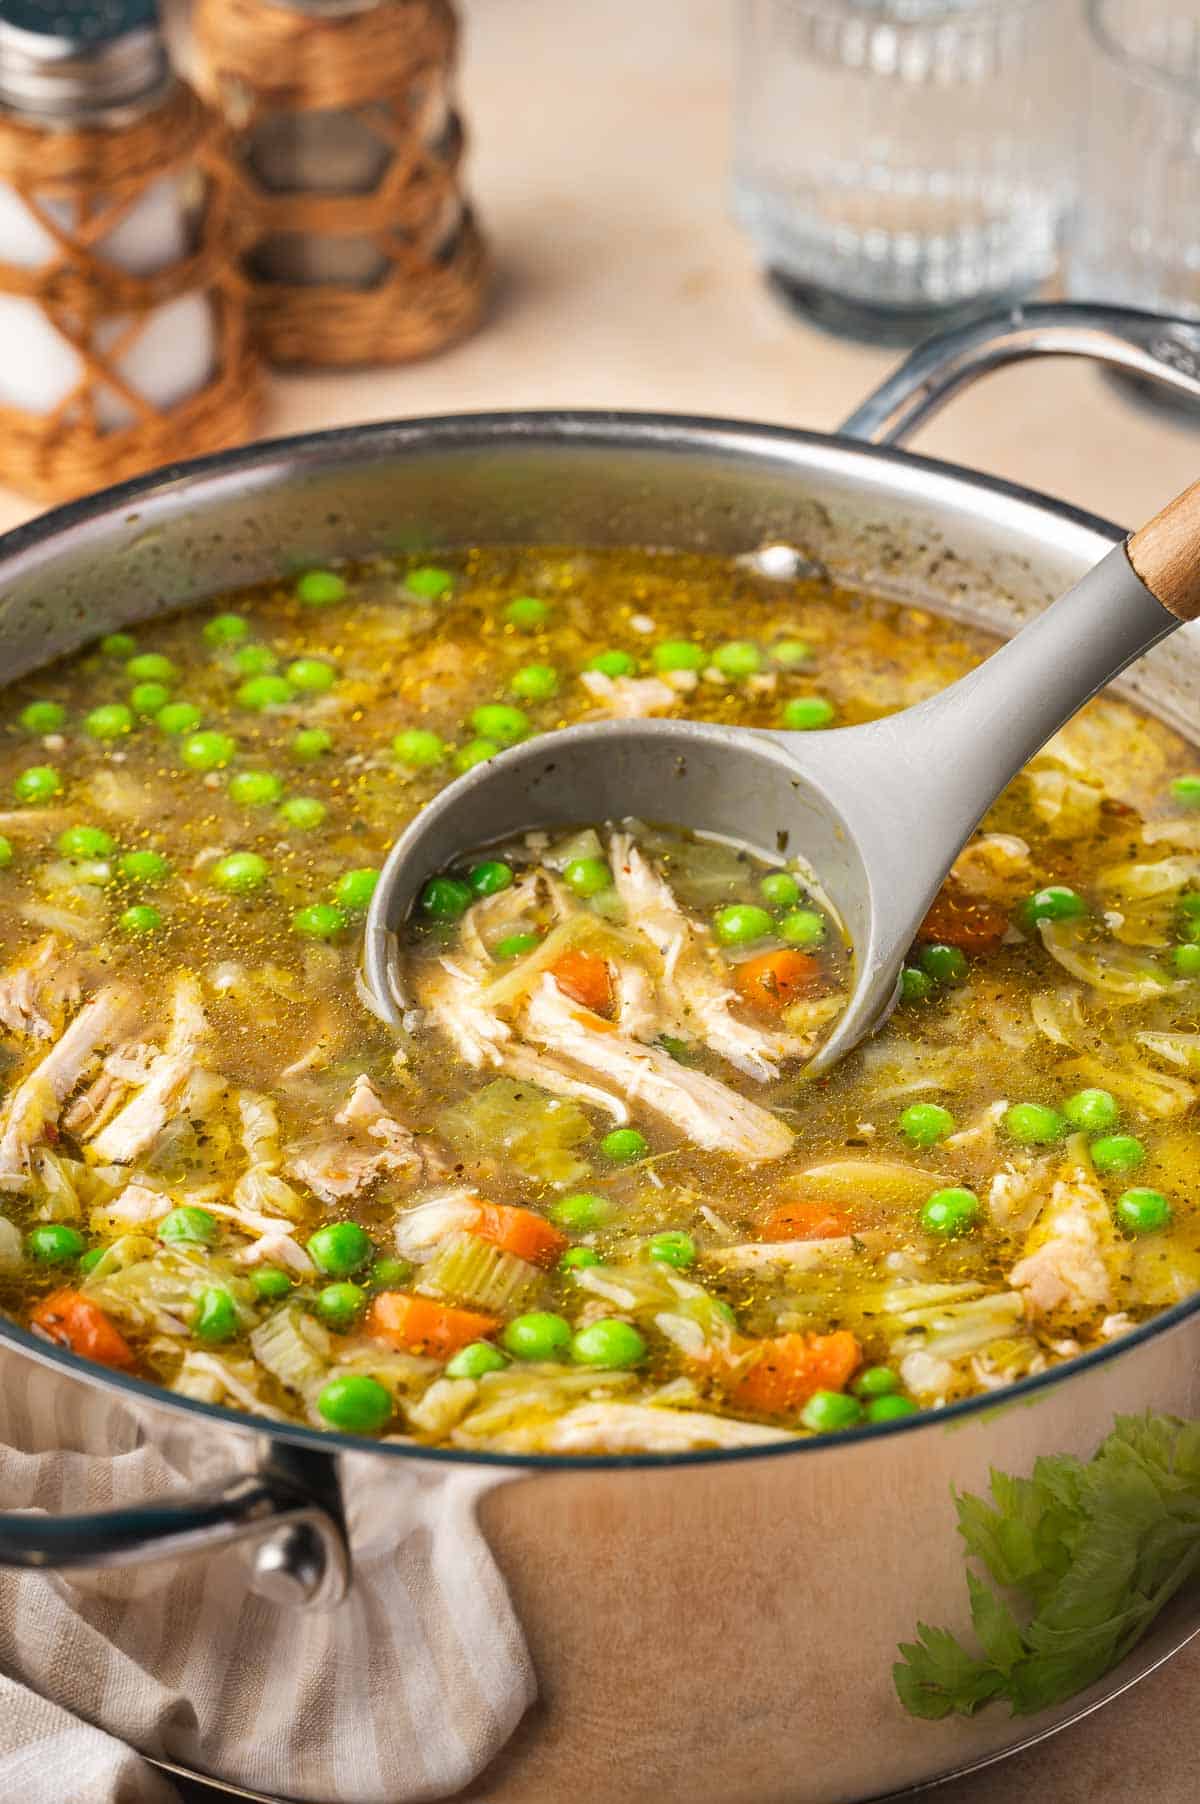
1143 1211
535 682
42 717
178 718
320 588
262 693
1091 1110
737 659
429 581
803 927
1054 903
612 663
340 1305
527 614
353 890
340 1248
216 1316
679 654
673 1248
475 1360
876 1381
537 1335
54 1243
945 964
269 1284
207 751
609 1343
779 889
515 945
490 878
311 743
6 852
118 645
390 1274
142 918
498 722
240 872
577 1258
91 1259
85 842
925 1123
113 720
1186 791
302 812
890 1409
476 751
356 1404
829 1412
805 712
311 676
225 629
1032 1124
144 867
148 699
587 876
319 921
1186 960
151 667
40 783
189 1225
254 660
789 652
741 924
255 788
624 1146
915 986
445 898
580 1212
950 1212
418 747
1117 1152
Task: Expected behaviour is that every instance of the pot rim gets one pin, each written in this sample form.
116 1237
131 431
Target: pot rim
288 456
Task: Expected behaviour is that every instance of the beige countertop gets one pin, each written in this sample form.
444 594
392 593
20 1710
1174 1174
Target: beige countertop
600 164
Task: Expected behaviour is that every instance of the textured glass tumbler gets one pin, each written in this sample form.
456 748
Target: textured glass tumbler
1137 234
899 162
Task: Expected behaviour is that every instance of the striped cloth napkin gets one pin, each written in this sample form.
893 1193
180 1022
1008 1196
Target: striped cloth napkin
406 1691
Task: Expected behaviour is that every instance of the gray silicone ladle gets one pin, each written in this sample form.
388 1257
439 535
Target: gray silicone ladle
879 811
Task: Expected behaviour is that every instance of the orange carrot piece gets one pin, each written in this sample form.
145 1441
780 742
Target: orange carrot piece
520 1232
419 1325
802 1220
74 1321
956 919
790 1368
585 979
774 979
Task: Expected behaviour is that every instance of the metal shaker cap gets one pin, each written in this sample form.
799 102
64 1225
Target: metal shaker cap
79 60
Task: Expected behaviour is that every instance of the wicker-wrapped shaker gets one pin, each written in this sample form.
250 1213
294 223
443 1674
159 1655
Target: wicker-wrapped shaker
346 150
121 315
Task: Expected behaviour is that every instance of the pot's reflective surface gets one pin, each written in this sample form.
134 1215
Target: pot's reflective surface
721 1629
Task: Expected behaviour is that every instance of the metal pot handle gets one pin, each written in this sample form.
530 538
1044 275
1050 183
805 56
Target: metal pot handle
291 1506
1158 347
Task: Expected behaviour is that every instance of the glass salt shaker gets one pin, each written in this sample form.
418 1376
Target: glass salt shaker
901 163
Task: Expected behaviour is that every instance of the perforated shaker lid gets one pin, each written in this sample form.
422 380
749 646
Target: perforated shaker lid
71 59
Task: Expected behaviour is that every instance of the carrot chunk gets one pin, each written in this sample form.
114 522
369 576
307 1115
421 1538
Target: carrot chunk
585 979
791 1367
956 919
802 1220
520 1232
419 1325
74 1321
774 979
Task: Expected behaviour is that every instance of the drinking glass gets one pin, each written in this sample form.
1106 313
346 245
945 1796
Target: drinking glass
899 162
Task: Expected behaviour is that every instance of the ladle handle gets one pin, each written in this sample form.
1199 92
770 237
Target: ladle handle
1165 553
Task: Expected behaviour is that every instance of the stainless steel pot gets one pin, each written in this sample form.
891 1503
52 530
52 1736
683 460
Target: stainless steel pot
716 1627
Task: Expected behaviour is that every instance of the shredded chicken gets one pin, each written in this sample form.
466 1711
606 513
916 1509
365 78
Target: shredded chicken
1071 1254
995 867
137 1203
40 989
175 1083
373 1145
641 1428
628 698
34 1105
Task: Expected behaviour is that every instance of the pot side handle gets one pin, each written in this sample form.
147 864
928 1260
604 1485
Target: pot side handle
291 1510
1158 347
